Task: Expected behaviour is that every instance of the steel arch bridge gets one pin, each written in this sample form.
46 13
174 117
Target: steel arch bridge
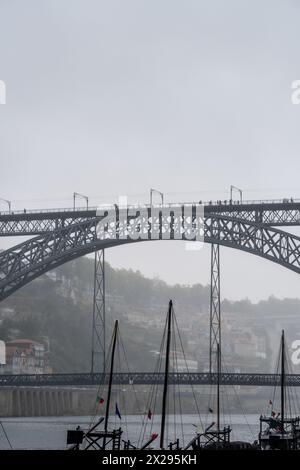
22 263
62 235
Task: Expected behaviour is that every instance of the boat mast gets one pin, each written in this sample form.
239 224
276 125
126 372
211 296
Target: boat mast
218 385
115 333
164 403
282 380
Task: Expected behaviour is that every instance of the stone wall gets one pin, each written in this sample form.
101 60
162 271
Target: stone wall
42 401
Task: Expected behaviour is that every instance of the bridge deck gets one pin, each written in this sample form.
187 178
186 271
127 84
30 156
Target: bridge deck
285 212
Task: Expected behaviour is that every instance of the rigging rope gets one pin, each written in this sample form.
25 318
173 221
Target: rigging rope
6 436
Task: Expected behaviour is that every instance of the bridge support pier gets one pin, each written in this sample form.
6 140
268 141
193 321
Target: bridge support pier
98 334
215 307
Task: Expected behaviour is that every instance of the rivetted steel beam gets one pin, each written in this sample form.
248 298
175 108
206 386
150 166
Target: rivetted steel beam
146 378
28 260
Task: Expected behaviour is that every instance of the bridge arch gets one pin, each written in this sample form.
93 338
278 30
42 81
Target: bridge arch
22 263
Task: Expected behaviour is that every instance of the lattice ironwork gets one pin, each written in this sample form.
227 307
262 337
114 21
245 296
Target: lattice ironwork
28 260
41 222
144 378
215 307
98 333
274 216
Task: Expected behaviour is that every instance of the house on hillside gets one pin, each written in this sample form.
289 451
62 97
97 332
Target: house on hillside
25 356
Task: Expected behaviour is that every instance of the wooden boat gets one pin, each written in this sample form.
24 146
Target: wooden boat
98 437
278 431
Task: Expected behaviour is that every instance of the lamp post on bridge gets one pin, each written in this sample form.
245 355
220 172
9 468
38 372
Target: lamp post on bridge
80 196
237 189
157 192
8 203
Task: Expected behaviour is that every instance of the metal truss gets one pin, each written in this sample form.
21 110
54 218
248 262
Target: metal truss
41 222
98 333
215 307
28 260
275 214
145 378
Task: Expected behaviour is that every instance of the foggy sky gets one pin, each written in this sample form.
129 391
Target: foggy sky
112 98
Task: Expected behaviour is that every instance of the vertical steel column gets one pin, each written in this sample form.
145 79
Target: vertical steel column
215 307
98 334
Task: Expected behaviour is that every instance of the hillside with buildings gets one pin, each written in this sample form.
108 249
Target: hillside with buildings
52 317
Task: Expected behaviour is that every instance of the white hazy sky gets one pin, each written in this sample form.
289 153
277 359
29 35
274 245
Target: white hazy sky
112 98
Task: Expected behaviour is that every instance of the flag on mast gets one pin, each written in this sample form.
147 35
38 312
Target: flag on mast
118 411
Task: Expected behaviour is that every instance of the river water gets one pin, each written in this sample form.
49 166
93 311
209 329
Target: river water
51 432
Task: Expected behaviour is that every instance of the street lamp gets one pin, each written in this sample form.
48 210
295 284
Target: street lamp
8 203
80 196
157 192
237 189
